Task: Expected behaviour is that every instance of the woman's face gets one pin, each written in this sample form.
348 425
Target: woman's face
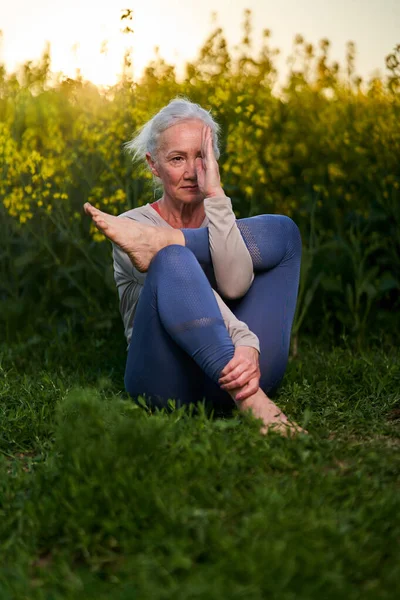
174 164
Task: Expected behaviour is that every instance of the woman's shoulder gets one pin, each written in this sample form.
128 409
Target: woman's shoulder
139 213
144 214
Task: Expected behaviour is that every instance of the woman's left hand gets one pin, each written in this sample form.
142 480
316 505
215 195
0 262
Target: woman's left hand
242 373
207 169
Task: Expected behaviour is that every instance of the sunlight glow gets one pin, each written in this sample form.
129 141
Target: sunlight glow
78 30
90 38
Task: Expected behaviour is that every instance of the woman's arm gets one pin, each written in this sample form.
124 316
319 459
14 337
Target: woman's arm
238 331
233 266
129 282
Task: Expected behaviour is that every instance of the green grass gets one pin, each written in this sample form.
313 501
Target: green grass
101 499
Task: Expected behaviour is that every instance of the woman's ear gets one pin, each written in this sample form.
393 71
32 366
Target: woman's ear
152 164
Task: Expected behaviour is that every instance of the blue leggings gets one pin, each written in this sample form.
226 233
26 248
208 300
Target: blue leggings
180 343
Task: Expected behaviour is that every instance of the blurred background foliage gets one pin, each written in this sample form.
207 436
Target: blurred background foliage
324 149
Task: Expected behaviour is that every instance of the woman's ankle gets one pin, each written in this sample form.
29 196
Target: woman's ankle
169 237
259 397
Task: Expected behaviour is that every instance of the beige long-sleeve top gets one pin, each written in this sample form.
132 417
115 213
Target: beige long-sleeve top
232 264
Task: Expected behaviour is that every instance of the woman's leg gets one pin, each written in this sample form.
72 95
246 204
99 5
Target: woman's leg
269 305
178 332
197 327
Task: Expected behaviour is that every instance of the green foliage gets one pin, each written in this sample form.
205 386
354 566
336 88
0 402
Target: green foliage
324 149
100 498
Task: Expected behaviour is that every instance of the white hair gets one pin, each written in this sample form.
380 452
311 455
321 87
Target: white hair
180 109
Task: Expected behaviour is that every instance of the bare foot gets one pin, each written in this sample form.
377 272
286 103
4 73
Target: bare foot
140 242
273 418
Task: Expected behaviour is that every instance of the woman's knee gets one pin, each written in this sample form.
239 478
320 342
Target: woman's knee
288 226
262 224
292 231
270 239
178 261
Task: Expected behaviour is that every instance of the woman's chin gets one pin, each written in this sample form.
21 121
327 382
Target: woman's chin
192 197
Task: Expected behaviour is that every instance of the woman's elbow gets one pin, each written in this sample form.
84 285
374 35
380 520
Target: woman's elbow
233 290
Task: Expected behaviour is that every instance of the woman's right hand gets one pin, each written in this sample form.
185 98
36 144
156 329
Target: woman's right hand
241 376
207 170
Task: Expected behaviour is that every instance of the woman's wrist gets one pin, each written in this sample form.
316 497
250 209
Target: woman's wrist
218 193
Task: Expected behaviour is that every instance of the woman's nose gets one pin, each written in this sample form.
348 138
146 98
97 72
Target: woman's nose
190 172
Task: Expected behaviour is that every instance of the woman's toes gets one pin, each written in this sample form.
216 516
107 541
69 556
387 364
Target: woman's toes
89 209
101 223
93 211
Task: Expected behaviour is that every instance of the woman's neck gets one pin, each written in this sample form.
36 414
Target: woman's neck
183 216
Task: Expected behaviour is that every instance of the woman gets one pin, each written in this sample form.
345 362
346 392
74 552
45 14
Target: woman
207 300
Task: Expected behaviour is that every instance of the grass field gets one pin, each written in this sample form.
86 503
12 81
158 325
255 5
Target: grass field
100 499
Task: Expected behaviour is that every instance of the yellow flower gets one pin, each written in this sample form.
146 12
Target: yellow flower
120 195
95 233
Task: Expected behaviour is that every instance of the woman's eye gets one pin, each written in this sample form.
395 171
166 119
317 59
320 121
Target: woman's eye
177 158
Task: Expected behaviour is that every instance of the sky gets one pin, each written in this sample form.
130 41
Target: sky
77 30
